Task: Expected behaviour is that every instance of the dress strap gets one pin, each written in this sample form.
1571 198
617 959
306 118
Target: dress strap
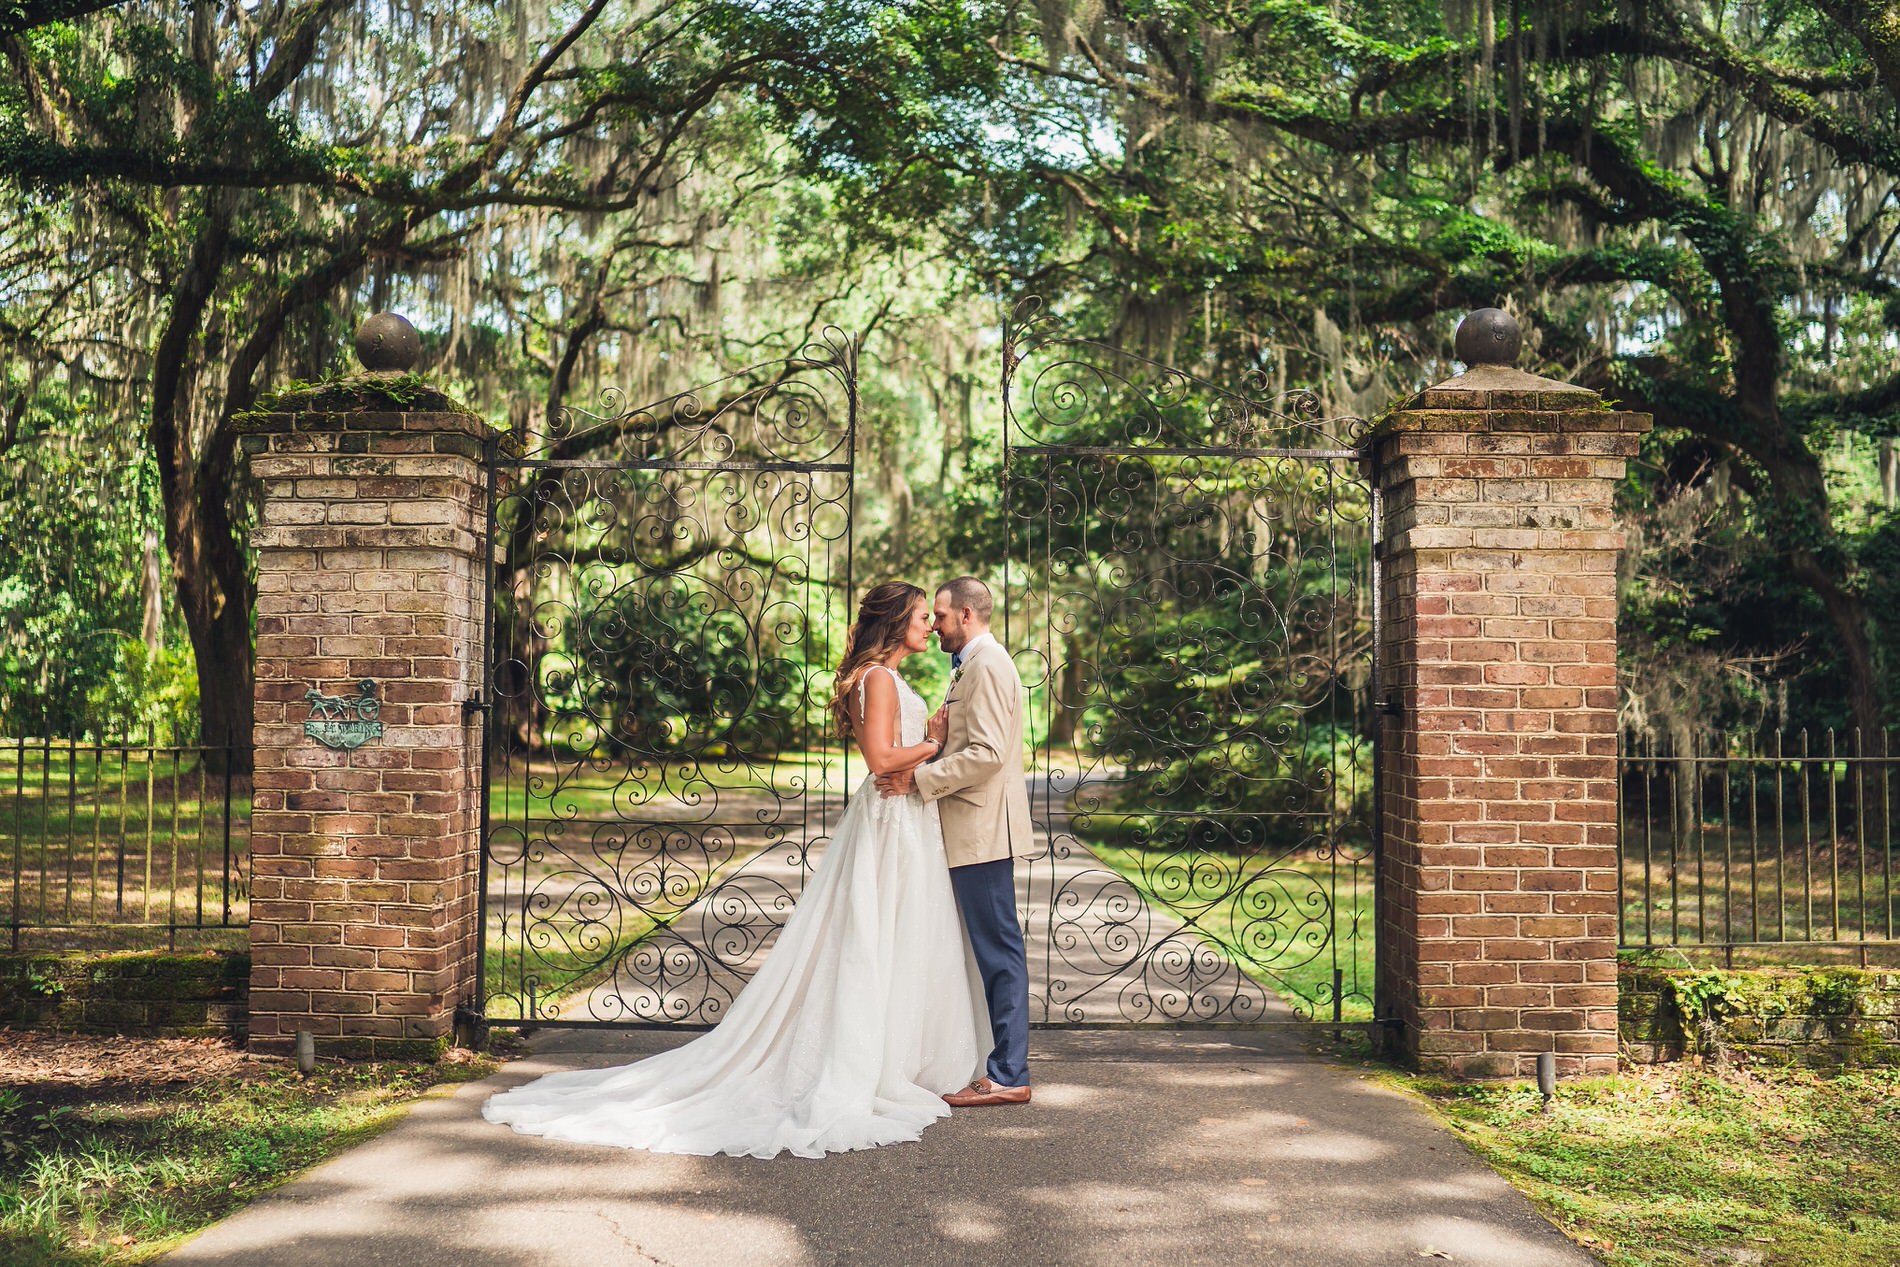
864 676
864 704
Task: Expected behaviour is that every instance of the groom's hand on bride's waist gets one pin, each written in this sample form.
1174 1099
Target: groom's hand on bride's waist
898 784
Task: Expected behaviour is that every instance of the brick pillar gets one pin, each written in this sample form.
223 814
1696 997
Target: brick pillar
363 888
1499 882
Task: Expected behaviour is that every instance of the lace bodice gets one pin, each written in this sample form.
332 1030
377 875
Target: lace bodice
912 712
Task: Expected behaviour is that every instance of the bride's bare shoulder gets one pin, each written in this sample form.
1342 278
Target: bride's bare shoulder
868 684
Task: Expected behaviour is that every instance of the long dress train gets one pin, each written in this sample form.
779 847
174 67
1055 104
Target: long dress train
863 1015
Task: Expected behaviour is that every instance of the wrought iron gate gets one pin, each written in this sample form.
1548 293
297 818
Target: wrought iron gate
1189 593
1189 590
669 595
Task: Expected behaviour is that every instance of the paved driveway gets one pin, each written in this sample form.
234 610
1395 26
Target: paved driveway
1142 1147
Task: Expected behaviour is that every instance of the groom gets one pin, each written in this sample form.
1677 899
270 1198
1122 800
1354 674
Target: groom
977 780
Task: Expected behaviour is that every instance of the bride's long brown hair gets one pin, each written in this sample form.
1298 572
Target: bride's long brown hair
878 630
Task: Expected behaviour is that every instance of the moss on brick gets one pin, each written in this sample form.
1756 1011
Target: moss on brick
354 392
1821 1017
143 992
429 1049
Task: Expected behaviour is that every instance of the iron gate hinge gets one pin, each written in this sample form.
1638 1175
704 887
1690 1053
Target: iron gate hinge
474 704
1391 707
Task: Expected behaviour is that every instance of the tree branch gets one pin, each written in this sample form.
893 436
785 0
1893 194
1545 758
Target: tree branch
24 15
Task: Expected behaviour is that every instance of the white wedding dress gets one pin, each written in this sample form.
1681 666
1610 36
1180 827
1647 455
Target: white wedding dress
867 1011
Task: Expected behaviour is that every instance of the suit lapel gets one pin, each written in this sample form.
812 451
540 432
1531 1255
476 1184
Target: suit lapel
955 694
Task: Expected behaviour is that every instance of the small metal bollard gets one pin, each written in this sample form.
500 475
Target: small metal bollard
1547 1077
306 1052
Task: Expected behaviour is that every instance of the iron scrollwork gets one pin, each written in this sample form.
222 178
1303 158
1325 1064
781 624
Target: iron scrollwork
673 576
1187 588
1188 591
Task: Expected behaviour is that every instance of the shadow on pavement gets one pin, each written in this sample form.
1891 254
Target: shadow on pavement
1164 1148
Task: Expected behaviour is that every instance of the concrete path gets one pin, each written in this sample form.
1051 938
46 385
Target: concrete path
1142 1147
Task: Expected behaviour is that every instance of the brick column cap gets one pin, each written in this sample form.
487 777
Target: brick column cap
1507 378
334 420
1500 398
370 403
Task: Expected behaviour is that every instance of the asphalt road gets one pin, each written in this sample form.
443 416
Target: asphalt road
1142 1147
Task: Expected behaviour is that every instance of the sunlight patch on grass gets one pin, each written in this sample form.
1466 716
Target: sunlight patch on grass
1676 1166
107 1175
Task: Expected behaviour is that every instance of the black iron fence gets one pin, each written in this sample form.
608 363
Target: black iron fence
1777 843
115 845
1782 842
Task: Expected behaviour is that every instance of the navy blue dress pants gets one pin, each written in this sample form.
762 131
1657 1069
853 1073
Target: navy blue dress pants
986 894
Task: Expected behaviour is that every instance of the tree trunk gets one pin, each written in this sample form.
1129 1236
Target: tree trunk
1848 614
214 596
214 591
151 578
521 714
1682 789
1799 513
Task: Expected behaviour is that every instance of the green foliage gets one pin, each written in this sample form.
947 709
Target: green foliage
709 682
1706 995
197 219
1681 201
149 697
1327 191
1836 994
74 521
1205 714
43 985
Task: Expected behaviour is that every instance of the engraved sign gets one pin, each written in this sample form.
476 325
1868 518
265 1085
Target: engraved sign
339 721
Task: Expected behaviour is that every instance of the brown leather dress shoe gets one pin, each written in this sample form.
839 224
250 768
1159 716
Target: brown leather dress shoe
983 1091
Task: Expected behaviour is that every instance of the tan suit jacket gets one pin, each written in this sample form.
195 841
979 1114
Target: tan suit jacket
978 778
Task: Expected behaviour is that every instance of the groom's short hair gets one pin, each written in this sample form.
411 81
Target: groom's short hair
967 591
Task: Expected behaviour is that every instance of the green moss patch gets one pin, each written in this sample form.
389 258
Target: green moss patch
1828 1017
408 393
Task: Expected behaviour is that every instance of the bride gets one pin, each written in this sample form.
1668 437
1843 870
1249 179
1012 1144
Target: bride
869 1008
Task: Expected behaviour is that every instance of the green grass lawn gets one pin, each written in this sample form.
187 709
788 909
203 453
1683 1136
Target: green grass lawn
119 1171
1755 891
1676 1166
1262 926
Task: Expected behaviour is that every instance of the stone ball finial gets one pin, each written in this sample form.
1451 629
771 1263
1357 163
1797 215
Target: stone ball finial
1488 336
387 344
